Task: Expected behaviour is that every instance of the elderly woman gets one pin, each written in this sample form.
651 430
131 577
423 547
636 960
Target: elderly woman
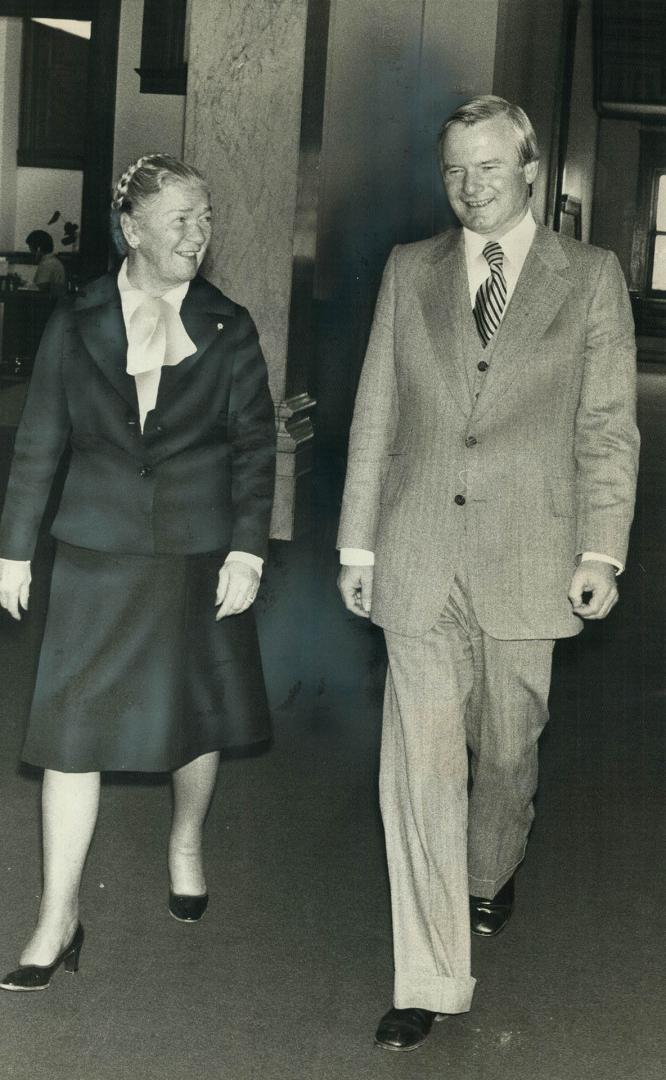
150 661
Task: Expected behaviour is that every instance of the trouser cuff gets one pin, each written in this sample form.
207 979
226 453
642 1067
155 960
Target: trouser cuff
487 888
433 992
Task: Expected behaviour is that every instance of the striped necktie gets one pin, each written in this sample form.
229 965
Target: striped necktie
491 296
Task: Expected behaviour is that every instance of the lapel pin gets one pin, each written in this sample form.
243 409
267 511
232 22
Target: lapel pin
220 326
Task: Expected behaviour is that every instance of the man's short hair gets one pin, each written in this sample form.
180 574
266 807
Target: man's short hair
487 107
38 238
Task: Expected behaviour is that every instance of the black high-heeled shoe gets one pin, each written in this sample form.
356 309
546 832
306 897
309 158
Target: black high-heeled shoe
37 977
187 908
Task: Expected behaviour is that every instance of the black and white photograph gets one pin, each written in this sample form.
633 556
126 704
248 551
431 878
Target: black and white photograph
332 546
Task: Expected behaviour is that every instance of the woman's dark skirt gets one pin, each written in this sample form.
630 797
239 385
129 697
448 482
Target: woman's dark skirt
135 673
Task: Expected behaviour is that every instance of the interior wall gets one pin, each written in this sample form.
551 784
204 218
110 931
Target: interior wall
145 123
580 167
527 63
10 56
395 72
456 62
245 90
40 192
616 187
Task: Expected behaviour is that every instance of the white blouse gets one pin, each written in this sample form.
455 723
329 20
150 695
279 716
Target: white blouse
156 337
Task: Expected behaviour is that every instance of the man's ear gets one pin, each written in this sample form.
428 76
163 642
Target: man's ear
531 170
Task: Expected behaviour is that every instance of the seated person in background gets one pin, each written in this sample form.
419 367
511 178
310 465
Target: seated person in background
50 274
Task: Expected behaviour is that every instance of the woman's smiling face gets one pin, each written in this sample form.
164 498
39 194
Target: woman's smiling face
168 235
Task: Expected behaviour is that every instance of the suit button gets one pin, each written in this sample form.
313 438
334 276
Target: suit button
145 471
470 441
483 365
459 500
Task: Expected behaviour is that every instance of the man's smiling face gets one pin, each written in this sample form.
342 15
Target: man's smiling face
487 185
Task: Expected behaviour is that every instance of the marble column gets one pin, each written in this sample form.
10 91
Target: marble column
247 130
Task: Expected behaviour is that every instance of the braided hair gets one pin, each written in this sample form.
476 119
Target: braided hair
140 181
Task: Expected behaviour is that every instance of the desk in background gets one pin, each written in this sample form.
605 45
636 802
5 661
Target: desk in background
23 316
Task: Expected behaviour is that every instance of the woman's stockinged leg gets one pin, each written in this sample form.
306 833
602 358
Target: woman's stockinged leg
70 802
193 787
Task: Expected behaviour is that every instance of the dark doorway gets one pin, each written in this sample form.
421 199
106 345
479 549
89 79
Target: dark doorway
104 15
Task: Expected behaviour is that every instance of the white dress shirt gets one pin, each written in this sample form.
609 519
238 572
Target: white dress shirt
515 244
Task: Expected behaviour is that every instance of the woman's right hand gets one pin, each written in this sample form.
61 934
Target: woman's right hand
15 578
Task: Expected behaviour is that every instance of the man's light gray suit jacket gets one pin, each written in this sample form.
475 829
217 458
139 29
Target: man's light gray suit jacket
545 457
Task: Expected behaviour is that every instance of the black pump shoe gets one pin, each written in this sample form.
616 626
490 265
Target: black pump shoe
37 977
488 917
187 908
405 1029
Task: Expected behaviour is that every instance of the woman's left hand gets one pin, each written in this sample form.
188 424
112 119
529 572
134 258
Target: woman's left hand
237 588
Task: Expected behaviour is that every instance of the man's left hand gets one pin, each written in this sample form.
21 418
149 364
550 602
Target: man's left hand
237 588
596 582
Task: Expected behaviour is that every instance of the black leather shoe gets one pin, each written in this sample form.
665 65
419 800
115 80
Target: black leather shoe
404 1029
37 977
488 917
187 908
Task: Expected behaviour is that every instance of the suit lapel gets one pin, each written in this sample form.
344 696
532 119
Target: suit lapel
539 294
443 290
204 312
100 321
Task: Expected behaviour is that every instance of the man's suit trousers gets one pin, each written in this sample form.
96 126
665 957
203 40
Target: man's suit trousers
452 688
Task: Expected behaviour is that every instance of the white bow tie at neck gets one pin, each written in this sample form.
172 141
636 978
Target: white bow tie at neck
156 337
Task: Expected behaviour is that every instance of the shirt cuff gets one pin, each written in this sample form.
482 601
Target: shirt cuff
253 561
356 557
589 556
9 563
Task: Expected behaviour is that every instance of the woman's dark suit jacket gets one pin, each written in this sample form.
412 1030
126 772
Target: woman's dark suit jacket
200 477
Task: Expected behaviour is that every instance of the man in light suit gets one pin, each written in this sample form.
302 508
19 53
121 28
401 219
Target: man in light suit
487 507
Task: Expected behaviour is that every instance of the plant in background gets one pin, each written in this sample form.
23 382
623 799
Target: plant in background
70 228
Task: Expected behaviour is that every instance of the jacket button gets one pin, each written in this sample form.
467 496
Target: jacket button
483 365
145 471
470 440
459 500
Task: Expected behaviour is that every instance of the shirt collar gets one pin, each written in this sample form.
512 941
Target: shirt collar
131 297
515 244
155 332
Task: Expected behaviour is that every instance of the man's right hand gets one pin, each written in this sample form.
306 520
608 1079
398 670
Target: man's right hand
14 586
355 585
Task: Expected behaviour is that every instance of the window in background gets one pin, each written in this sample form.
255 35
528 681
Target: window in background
648 256
54 80
658 268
